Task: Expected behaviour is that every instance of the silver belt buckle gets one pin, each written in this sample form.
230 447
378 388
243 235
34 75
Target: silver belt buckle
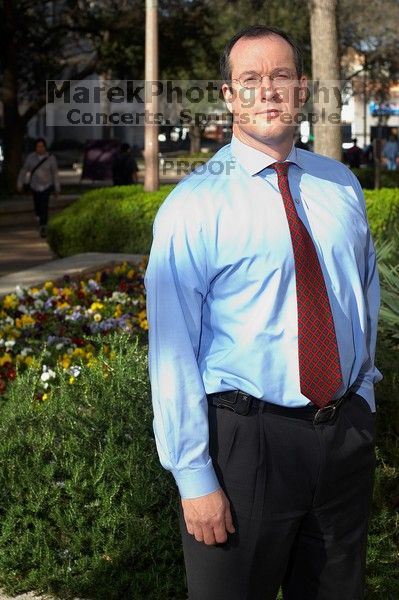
325 414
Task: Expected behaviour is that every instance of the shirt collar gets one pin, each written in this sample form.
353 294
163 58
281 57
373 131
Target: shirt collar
254 160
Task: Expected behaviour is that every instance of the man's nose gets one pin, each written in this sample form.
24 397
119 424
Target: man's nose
267 88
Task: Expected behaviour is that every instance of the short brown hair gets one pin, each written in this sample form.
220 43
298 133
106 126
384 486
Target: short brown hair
258 31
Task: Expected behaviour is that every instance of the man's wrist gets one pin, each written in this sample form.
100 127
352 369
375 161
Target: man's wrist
193 483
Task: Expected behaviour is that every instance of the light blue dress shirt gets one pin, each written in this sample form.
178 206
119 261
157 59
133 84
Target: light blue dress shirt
221 294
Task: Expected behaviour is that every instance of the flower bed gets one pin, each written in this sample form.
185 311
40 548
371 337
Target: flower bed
60 324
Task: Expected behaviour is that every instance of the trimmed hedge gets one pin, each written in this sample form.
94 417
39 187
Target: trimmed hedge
119 219
85 508
115 219
383 213
388 179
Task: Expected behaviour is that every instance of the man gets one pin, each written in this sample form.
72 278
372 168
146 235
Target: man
124 167
262 304
354 155
40 168
391 153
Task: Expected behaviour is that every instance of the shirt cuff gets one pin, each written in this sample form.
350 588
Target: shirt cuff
195 483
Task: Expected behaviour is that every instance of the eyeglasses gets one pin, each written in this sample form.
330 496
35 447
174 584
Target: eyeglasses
252 80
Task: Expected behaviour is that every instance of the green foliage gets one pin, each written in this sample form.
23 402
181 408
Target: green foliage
389 279
383 214
85 508
389 179
117 219
383 547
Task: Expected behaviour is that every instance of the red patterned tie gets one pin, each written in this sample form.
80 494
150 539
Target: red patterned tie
319 366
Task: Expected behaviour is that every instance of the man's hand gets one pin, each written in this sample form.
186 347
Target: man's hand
208 518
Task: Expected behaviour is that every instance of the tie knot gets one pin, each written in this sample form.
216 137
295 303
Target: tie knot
281 168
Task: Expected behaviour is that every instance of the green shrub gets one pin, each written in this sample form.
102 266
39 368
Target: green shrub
388 179
383 546
85 508
383 213
117 219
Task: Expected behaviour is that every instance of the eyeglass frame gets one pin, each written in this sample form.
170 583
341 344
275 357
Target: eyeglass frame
271 77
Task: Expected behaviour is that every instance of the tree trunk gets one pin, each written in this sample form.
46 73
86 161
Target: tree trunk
151 145
326 77
195 139
13 125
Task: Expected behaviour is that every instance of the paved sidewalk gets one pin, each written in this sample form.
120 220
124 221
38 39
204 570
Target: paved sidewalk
56 269
21 247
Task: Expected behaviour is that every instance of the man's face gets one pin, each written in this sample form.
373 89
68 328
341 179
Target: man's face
264 115
40 148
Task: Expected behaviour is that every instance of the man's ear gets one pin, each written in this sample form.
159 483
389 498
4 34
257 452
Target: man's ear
228 96
304 92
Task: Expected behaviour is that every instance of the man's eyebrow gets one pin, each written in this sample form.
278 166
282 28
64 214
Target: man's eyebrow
250 72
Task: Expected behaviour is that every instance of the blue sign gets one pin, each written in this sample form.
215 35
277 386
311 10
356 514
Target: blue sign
387 109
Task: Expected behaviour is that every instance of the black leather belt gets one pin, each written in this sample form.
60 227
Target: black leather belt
244 404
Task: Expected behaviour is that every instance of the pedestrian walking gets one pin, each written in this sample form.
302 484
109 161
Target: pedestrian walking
354 155
39 175
391 153
263 298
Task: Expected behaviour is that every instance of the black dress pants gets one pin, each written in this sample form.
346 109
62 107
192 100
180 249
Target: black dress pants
41 201
300 496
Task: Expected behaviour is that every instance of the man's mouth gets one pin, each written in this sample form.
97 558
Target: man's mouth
270 113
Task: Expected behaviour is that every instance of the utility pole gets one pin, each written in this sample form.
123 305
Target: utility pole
151 175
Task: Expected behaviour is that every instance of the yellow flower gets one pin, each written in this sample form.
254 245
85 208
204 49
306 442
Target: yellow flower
48 285
6 358
118 311
10 301
96 306
62 305
72 379
130 274
142 319
66 291
24 321
28 360
98 276
45 397
34 290
97 317
144 324
65 361
79 352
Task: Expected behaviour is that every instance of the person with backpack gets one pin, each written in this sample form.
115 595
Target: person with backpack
39 174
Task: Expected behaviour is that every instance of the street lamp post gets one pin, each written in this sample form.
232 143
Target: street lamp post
151 175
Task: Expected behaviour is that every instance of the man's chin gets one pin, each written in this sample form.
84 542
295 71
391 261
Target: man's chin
267 134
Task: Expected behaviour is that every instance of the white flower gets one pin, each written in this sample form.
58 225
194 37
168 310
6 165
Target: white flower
59 346
75 370
20 292
9 343
26 351
47 375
